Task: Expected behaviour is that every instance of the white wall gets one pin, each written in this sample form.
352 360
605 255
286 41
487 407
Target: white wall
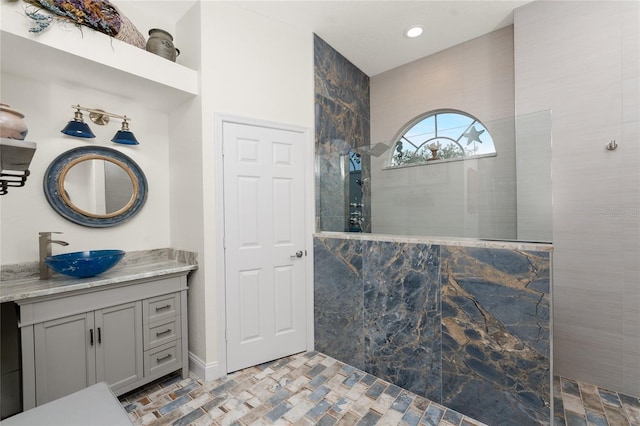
581 60
253 67
250 66
25 211
441 199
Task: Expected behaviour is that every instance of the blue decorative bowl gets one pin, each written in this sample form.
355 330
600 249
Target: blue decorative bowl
83 264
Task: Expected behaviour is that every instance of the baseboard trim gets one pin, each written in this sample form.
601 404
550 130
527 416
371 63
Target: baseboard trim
204 371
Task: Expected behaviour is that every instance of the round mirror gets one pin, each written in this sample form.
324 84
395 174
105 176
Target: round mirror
95 186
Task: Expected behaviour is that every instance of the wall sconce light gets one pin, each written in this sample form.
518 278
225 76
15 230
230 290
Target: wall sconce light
78 128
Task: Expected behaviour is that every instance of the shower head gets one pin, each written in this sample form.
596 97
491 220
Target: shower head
377 150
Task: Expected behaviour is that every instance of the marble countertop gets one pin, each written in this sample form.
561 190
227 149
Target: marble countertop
443 241
20 282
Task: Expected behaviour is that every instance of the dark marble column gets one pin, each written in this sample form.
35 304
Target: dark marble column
495 334
339 299
402 315
342 123
466 327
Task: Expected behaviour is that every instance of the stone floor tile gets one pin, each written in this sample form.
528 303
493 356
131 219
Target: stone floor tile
253 415
573 403
318 410
609 398
371 418
411 417
278 411
383 403
570 387
280 393
189 418
433 415
452 416
327 420
616 416
591 397
298 410
390 418
348 419
595 418
574 419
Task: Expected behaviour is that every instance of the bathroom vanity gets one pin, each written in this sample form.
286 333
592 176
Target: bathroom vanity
126 327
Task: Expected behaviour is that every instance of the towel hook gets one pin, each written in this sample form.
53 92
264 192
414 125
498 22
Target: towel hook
612 145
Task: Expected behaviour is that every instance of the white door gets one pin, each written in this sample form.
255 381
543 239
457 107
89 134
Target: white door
265 256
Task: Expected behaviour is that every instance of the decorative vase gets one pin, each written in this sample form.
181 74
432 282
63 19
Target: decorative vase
434 154
161 43
12 124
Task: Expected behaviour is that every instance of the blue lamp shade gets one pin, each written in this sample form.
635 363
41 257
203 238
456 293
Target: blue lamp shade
125 137
78 128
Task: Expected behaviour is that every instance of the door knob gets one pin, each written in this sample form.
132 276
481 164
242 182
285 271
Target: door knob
298 254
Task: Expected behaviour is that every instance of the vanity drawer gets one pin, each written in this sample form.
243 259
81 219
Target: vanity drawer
161 307
163 359
161 332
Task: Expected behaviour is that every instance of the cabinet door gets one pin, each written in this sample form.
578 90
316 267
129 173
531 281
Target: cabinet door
119 344
64 356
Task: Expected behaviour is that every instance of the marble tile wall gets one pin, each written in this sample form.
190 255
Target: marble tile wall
467 327
342 123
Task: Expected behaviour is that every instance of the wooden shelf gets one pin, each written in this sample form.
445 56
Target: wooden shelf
67 55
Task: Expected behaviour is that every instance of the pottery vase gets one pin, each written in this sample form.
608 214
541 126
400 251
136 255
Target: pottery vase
161 43
12 124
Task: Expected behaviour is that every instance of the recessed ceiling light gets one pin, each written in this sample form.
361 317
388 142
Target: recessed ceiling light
413 31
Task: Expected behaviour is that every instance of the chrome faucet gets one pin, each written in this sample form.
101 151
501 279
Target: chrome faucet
45 242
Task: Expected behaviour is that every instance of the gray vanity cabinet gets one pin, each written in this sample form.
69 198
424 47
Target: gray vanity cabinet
125 334
77 351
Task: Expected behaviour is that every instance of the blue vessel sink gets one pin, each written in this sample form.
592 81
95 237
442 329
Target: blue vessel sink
83 264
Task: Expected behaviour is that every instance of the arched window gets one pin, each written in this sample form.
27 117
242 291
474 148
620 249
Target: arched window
441 135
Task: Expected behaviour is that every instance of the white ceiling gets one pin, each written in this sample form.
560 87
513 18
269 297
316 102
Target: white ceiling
370 33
